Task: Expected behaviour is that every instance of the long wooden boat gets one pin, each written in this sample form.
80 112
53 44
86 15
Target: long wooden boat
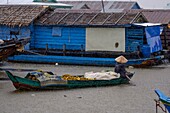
60 82
9 47
75 60
165 100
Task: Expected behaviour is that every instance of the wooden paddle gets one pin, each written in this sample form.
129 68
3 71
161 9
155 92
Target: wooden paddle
130 81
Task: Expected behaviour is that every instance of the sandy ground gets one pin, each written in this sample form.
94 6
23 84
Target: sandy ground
112 99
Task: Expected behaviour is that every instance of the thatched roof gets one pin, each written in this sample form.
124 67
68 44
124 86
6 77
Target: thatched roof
89 19
19 15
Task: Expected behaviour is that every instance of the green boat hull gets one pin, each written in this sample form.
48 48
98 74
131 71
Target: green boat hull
27 84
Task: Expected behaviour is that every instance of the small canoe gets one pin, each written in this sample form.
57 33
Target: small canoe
60 82
165 100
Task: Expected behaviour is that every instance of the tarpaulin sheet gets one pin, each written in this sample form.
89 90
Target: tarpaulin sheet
153 38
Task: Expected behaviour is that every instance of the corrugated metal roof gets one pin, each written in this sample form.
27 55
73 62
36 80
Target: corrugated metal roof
21 15
88 19
97 5
76 11
30 2
122 5
155 15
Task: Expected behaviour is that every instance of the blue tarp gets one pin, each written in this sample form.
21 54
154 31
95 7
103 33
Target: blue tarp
153 38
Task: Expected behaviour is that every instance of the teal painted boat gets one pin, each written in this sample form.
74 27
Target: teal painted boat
59 82
165 100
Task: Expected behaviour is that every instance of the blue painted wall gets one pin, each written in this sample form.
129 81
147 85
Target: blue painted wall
74 38
24 32
134 37
56 37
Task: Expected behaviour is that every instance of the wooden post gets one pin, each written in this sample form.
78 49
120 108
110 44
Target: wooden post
165 30
103 7
46 49
64 49
81 50
158 104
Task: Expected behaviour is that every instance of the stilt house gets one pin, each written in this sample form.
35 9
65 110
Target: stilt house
97 32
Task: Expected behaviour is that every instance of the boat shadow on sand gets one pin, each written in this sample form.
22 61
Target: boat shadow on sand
65 90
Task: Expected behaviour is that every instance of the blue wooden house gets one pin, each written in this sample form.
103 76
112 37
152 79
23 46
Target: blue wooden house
159 16
16 21
86 38
89 32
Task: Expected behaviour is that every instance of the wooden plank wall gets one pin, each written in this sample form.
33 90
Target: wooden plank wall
24 32
165 38
72 38
134 37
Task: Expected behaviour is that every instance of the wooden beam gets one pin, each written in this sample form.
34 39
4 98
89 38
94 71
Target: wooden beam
78 18
62 18
135 17
93 18
120 17
107 18
48 17
44 10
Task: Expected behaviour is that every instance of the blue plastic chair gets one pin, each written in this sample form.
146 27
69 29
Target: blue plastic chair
164 100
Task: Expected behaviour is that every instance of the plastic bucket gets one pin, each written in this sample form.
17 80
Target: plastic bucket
146 51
